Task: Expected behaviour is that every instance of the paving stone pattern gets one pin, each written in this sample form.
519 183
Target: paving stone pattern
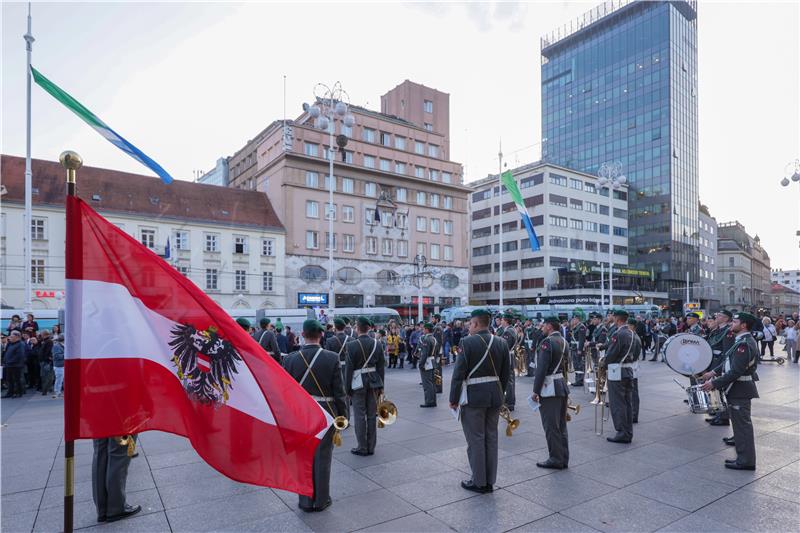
671 478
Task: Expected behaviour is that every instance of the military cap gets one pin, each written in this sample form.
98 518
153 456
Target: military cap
363 322
312 326
632 321
508 316
264 322
338 322
692 315
578 313
346 320
480 312
620 313
428 325
553 321
242 321
746 318
726 313
437 316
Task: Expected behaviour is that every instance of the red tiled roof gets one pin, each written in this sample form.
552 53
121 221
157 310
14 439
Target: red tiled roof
779 287
135 194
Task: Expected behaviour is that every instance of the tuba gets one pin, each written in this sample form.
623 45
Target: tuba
340 423
511 423
387 412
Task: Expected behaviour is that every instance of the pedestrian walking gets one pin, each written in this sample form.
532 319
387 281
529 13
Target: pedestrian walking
770 334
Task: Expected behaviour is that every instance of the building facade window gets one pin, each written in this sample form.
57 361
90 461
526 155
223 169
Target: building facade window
447 177
240 244
330 239
267 282
311 149
370 189
212 242
312 209
448 202
348 185
434 200
312 179
434 175
421 248
560 222
372 245
386 165
181 239
402 248
387 246
348 213
312 240
419 147
448 252
147 237
386 139
435 252
401 194
400 142
419 172
420 198
422 224
435 225
448 227
328 183
402 220
427 106
240 280
349 243
399 168
368 135
369 161
38 229
37 271
212 279
268 247
330 211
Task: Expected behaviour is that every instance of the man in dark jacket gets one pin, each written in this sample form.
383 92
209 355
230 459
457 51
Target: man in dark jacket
44 354
737 377
266 339
478 385
620 378
13 361
317 371
366 364
551 392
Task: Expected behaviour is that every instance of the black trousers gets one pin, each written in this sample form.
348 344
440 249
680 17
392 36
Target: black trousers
771 345
620 400
321 472
14 379
33 373
739 410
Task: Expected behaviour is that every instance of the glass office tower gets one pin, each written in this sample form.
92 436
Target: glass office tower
620 84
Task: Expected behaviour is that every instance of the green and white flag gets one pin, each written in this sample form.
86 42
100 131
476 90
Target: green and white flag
511 184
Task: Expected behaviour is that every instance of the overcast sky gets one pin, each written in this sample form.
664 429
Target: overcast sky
188 83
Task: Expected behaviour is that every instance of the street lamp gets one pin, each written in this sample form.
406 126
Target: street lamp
331 103
791 173
420 263
610 176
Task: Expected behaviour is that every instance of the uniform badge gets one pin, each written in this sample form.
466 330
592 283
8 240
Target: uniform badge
205 363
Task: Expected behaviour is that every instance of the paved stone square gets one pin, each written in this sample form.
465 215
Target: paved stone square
671 478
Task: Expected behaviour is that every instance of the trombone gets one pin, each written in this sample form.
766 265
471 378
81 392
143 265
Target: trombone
601 378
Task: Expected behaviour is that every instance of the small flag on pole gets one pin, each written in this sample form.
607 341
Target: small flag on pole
99 126
511 184
167 250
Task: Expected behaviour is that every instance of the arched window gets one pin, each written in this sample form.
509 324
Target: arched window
313 273
730 261
449 281
349 275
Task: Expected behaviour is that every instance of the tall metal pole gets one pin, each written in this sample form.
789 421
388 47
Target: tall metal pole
611 247
329 210
602 286
72 162
419 261
687 286
500 201
26 233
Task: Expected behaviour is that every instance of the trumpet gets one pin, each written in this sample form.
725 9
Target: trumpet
129 441
387 412
340 423
512 423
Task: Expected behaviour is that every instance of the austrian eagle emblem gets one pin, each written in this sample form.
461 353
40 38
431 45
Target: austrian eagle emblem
205 363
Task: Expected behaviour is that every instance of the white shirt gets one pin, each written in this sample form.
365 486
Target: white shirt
790 334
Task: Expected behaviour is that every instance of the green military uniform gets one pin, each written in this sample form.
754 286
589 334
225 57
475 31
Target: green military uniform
428 363
553 392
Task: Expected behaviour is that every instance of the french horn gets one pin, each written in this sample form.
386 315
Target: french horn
387 412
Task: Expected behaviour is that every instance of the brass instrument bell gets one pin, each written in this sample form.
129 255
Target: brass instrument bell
511 423
340 423
387 412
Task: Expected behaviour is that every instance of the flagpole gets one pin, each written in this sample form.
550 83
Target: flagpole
72 162
500 232
26 233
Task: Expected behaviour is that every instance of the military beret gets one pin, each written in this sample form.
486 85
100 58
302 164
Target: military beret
553 321
692 315
428 325
620 313
726 313
264 322
508 316
312 326
632 321
338 322
242 321
363 322
578 313
747 318
346 320
437 316
382 331
480 312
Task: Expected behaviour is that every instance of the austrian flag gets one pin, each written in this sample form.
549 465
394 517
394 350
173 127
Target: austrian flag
148 350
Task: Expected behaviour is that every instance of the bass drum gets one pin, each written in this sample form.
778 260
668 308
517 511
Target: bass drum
687 354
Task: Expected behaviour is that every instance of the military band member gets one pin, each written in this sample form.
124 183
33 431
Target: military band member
480 376
267 340
721 340
533 336
636 352
736 377
318 371
428 363
620 376
109 476
577 344
599 336
364 375
339 340
507 332
551 392
693 324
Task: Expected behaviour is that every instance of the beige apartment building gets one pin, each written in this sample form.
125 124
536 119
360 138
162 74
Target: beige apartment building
395 161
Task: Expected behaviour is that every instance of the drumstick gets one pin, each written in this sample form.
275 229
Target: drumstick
679 383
